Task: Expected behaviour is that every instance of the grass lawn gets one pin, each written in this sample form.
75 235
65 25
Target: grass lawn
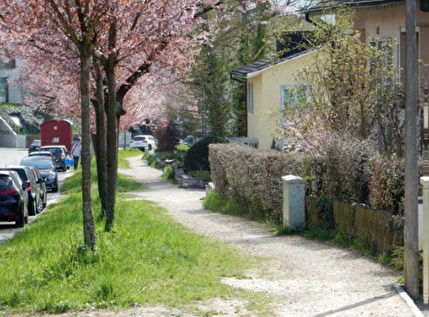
147 259
124 182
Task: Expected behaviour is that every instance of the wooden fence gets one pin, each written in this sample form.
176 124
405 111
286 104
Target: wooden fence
379 229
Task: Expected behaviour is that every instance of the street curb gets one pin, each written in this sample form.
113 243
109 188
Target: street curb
407 299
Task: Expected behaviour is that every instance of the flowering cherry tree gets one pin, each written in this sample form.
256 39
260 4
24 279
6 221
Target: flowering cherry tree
95 52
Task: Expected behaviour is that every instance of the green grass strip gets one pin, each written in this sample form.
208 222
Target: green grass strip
147 259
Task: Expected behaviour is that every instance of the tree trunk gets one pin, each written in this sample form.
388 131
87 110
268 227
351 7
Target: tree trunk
88 223
112 130
100 144
411 256
112 145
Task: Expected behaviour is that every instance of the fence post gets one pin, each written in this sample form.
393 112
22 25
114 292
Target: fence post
293 202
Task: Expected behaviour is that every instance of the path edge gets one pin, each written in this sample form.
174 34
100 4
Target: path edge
407 299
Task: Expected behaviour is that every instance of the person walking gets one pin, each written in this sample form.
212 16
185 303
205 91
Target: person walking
76 151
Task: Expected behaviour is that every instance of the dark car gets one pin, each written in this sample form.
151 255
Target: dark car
13 199
29 181
34 146
59 155
46 168
42 186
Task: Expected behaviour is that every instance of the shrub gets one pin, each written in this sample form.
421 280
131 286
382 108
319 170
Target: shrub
348 171
182 148
168 173
204 175
197 157
152 160
387 184
229 206
342 170
252 177
168 136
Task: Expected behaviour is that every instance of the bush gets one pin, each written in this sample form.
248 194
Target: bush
197 157
348 171
230 206
168 173
342 172
168 136
204 175
252 177
152 160
387 184
178 154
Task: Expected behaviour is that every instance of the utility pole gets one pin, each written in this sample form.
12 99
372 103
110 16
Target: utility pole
411 256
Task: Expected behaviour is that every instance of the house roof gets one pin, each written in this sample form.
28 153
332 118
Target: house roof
325 4
245 71
291 46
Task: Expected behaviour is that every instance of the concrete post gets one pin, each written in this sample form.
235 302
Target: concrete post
293 202
411 253
424 243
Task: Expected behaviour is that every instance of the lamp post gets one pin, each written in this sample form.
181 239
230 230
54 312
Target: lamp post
411 260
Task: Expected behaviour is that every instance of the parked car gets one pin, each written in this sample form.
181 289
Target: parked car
144 142
42 186
189 140
59 154
46 168
41 153
13 199
29 183
34 146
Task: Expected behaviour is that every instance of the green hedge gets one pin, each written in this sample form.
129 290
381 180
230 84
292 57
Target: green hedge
347 172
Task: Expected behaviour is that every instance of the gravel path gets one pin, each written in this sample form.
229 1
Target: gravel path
305 278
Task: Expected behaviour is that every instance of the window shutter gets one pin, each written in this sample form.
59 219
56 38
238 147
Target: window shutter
250 97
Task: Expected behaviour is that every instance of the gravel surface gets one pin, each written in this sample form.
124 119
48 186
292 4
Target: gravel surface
304 277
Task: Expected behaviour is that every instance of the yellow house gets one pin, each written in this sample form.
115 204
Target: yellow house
267 80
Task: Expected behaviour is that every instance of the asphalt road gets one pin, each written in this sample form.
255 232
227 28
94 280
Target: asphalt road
9 157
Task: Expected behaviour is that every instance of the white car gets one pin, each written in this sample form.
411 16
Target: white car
144 142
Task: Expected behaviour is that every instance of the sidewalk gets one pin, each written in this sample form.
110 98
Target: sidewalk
304 277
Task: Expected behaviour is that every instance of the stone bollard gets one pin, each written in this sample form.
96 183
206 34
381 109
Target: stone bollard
293 202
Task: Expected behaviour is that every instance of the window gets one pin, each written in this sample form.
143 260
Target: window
11 64
290 95
3 90
250 97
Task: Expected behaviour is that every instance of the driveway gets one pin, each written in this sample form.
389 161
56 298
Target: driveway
303 277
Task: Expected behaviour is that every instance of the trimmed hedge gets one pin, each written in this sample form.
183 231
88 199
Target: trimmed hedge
351 173
346 188
252 177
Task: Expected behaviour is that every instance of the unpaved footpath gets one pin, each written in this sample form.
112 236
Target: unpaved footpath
304 277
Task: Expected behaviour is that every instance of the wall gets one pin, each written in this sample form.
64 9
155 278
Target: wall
15 94
389 22
265 119
7 135
125 136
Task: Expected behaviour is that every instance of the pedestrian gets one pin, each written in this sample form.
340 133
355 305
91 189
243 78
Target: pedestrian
76 151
